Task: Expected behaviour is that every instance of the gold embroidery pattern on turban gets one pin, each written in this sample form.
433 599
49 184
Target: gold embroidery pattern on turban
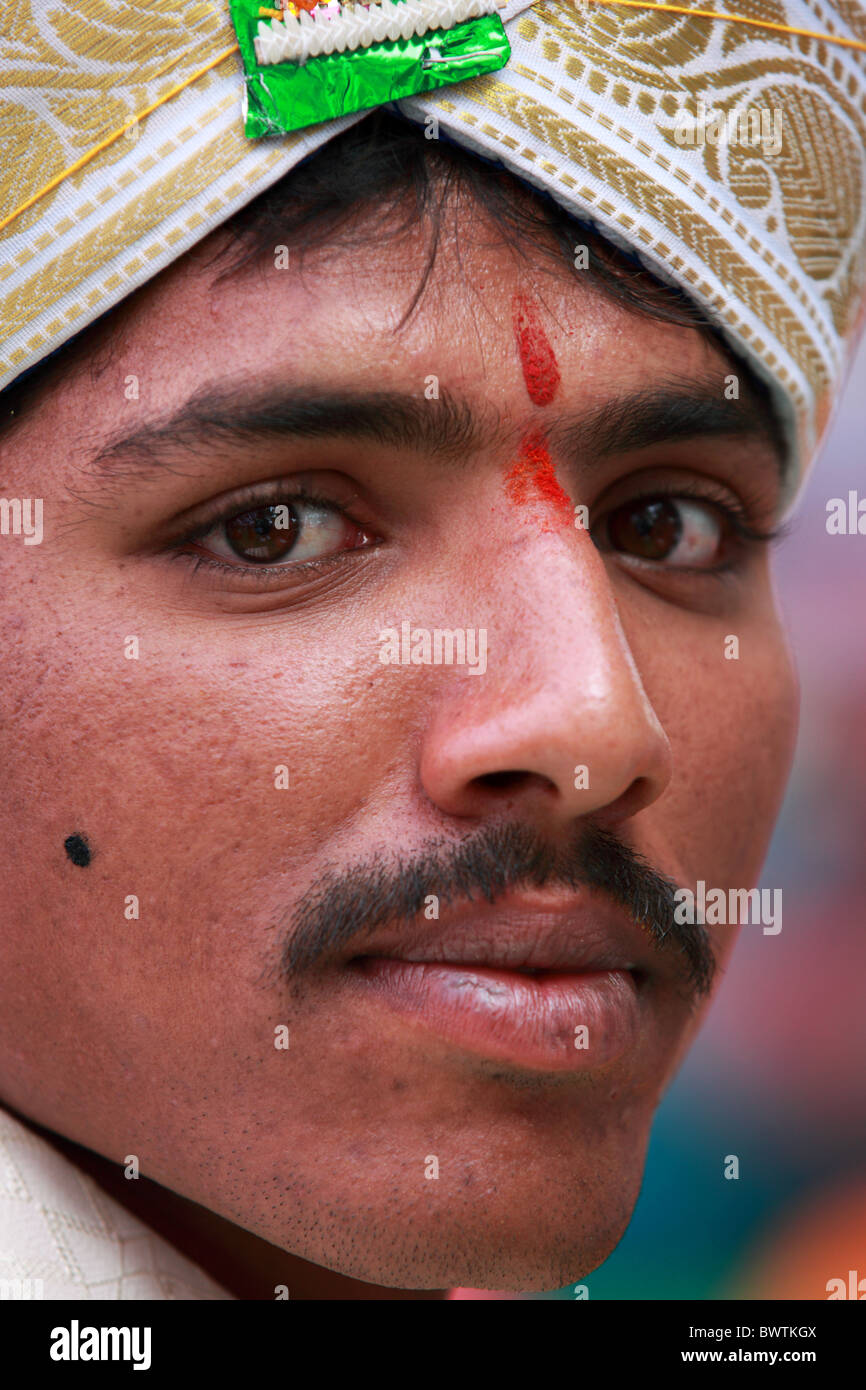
772 243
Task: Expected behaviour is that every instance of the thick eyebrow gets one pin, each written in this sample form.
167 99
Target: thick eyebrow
666 414
446 428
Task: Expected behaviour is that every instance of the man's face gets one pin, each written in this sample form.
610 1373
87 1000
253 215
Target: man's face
254 752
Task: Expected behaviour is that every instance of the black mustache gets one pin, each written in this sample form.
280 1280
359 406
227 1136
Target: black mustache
347 904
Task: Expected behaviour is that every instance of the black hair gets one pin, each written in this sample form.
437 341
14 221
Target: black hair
386 168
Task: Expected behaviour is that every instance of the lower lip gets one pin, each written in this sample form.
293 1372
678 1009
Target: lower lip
552 1022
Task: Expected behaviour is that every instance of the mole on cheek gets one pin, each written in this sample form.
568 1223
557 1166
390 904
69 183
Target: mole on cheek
540 370
78 849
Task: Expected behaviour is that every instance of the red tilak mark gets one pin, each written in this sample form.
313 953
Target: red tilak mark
540 371
531 478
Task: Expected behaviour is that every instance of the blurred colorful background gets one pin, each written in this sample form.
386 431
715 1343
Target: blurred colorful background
778 1074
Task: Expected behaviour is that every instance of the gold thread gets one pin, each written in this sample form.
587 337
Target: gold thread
227 52
115 135
738 19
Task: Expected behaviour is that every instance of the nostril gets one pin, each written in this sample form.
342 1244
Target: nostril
502 781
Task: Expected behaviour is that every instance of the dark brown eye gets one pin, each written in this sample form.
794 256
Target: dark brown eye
281 536
647 529
264 534
676 532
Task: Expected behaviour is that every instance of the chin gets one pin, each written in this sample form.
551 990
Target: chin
521 1238
492 1258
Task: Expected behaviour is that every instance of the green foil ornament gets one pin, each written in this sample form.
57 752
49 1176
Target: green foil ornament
290 95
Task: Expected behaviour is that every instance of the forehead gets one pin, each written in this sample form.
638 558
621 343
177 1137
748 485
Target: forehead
346 306
350 314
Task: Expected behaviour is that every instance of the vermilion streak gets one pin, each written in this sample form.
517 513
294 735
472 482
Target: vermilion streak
531 478
540 370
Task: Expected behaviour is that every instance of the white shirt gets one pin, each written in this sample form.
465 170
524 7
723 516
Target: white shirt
62 1237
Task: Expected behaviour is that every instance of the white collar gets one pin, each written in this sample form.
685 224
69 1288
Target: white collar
64 1238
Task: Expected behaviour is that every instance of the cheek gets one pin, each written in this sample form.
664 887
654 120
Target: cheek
210 779
752 737
203 731
733 726
204 776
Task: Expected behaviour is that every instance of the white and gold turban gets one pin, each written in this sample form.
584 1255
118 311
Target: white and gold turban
122 145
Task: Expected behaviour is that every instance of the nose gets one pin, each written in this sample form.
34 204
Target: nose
559 725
